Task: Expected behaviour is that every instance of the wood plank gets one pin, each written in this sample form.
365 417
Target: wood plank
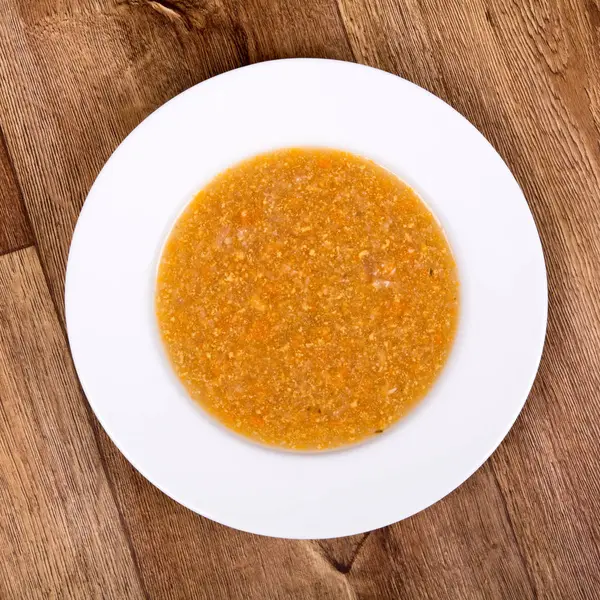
149 51
14 228
528 76
60 534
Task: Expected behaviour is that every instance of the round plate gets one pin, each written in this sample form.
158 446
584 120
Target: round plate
114 337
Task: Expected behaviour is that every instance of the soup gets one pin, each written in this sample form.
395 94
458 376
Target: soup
307 298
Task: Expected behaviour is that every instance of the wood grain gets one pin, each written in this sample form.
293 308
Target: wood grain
183 555
148 42
60 534
131 57
527 74
288 29
537 100
432 556
14 228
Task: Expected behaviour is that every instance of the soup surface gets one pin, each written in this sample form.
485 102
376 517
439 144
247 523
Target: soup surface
307 298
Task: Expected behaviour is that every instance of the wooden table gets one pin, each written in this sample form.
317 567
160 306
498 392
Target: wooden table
76 520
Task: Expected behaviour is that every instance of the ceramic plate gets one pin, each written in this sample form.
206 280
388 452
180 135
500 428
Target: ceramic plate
114 338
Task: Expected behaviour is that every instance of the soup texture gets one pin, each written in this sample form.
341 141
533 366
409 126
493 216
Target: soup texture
307 298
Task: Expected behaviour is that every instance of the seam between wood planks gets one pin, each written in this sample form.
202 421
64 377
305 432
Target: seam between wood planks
21 202
17 249
358 550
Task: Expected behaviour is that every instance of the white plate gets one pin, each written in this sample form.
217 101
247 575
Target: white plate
110 287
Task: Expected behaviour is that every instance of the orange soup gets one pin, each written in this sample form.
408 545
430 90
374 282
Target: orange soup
307 298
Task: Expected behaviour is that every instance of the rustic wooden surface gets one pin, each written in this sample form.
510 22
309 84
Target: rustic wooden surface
76 521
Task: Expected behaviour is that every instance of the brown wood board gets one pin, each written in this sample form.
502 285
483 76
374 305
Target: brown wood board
76 520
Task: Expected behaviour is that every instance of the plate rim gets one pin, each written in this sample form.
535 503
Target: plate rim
68 298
